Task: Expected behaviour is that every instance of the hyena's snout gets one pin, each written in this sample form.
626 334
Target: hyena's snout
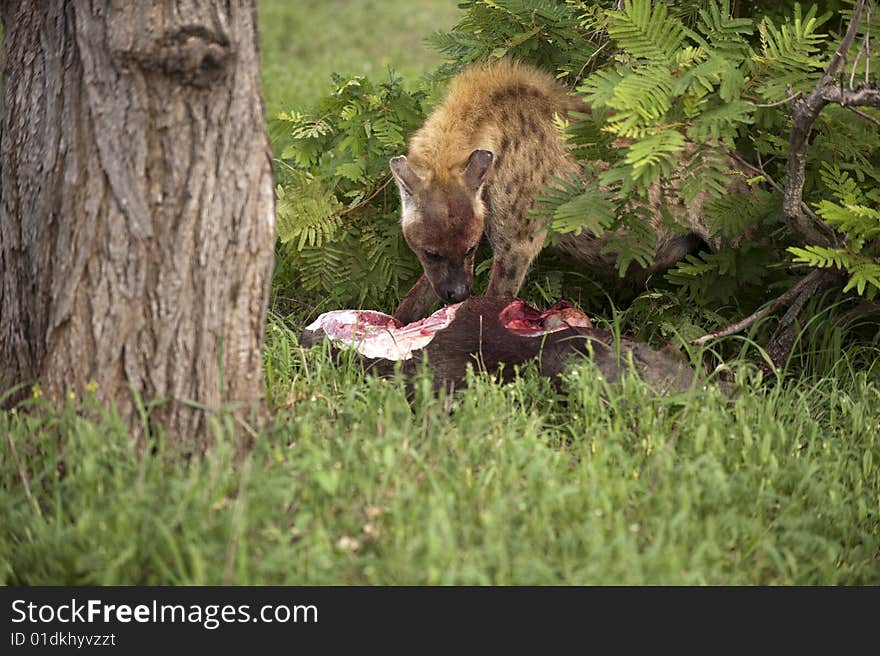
456 287
457 293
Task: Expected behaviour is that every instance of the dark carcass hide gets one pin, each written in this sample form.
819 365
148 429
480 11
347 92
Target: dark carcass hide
494 335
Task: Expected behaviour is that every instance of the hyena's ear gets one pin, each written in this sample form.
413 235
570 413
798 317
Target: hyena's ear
476 169
406 178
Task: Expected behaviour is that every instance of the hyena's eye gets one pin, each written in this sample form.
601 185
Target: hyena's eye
432 256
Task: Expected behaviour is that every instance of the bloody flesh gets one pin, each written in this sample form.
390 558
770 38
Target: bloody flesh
523 320
378 335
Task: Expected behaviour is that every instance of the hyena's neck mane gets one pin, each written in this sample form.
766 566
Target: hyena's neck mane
477 109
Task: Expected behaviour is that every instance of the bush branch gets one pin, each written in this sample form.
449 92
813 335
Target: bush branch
801 220
807 281
864 115
759 170
804 112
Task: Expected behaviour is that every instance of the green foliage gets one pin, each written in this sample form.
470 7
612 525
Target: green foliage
687 82
633 241
722 275
674 87
674 93
790 54
306 213
557 35
856 215
647 30
576 208
738 269
338 223
662 317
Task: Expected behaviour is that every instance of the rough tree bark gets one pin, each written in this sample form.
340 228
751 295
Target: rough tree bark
136 205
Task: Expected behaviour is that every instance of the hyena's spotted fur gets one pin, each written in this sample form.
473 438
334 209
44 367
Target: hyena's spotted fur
476 166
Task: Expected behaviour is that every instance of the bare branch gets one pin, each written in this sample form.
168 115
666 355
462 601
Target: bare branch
840 54
786 334
795 290
804 113
349 210
866 95
587 63
760 171
864 115
852 73
784 101
868 45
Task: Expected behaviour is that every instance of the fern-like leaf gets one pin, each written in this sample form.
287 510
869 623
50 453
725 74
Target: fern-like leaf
645 30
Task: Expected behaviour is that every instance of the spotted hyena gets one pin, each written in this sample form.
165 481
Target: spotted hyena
476 166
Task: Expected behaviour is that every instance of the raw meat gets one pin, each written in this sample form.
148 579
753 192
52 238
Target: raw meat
378 335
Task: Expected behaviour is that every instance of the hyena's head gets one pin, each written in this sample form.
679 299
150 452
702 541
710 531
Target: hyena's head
443 220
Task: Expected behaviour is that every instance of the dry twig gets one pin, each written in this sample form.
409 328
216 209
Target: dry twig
770 308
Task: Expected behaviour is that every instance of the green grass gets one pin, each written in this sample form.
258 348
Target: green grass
354 483
511 484
305 41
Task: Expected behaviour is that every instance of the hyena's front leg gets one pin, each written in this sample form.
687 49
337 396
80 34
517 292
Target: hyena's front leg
511 264
417 302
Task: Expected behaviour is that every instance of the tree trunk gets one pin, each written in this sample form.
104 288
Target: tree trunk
136 206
